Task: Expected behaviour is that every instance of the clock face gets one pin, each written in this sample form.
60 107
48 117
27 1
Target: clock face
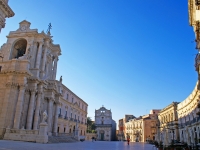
23 28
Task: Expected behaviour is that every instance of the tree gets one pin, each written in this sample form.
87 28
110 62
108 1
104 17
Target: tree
90 125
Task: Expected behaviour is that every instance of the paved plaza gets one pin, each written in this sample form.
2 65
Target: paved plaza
86 145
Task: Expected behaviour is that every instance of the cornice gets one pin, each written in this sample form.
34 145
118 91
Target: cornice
27 74
172 105
195 93
6 9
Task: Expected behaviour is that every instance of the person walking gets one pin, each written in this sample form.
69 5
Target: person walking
128 139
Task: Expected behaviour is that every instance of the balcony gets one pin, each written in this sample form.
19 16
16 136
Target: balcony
71 119
75 120
103 125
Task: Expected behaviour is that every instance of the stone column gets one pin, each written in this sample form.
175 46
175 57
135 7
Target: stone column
33 53
27 48
30 110
39 55
55 126
50 107
19 107
44 60
55 68
38 102
50 67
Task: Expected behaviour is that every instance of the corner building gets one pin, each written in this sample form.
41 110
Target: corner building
28 87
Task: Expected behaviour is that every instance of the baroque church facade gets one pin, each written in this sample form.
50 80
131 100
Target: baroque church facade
105 125
28 87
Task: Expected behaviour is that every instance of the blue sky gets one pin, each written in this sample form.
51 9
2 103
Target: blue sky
130 56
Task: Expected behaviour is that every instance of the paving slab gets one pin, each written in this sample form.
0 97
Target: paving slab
86 145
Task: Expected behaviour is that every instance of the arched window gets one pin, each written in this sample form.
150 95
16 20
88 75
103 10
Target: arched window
19 49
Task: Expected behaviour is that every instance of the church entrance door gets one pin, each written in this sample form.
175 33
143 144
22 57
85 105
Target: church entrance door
102 136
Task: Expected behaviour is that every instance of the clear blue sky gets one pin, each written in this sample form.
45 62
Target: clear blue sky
128 55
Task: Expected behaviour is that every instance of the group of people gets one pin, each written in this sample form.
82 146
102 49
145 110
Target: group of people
93 139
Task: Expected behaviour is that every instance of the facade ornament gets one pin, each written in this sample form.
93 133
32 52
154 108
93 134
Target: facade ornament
44 119
61 79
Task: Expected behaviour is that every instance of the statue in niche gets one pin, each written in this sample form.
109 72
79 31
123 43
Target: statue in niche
61 79
44 116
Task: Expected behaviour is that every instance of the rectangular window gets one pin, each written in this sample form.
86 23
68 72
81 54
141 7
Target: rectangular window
72 99
65 113
67 96
75 116
71 115
0 68
60 111
78 117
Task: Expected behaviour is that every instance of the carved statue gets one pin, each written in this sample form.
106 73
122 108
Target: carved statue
61 79
44 116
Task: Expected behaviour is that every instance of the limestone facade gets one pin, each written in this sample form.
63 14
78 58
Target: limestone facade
168 124
105 125
143 128
188 118
122 127
5 12
28 87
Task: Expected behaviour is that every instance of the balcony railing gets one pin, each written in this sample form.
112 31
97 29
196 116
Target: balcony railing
104 125
71 119
75 120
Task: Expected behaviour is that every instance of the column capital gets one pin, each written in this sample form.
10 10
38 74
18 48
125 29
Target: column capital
12 85
40 43
32 91
50 99
39 92
22 86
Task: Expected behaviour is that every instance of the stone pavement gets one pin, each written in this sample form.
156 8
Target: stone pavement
86 145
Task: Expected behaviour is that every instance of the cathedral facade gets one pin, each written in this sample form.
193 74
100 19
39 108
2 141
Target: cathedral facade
105 125
28 88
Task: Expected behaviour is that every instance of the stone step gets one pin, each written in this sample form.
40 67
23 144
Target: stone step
61 139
